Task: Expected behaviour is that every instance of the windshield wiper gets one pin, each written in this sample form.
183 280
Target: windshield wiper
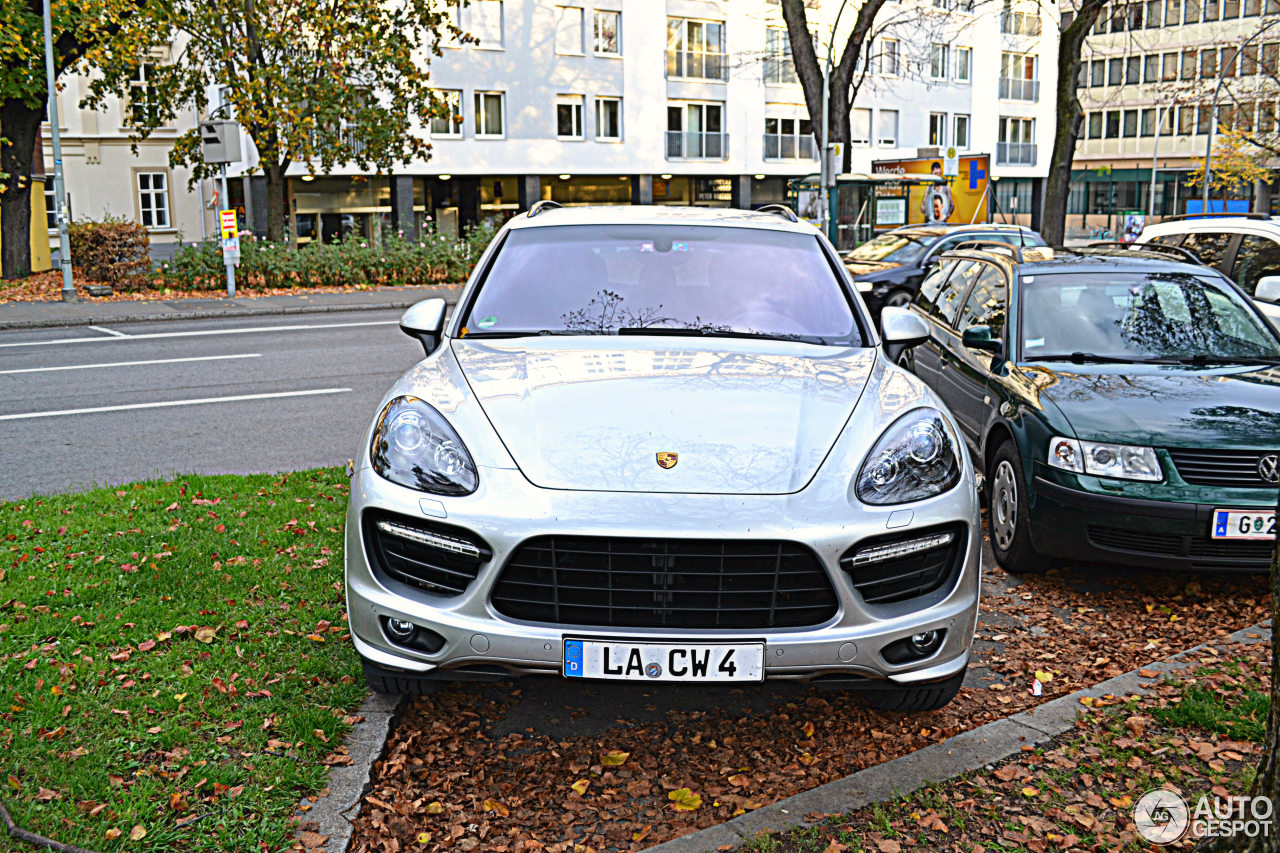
1087 358
526 333
1203 358
705 332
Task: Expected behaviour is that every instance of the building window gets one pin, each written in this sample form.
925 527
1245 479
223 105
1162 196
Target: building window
153 199
937 129
696 131
1097 73
51 205
1020 23
1151 68
1112 124
1095 125
960 138
142 96
489 118
486 22
1018 77
1209 64
778 65
608 118
607 29
695 49
1115 72
860 127
889 57
1210 10
1186 121
569 117
964 67
938 62
789 139
449 122
1228 61
1155 10
1172 13
1133 70
1190 64
1016 129
1130 124
888 129
569 30
1249 60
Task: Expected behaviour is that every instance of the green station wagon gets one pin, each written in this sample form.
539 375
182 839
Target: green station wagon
1124 404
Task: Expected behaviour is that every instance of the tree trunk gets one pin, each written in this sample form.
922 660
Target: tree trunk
19 123
1053 222
275 202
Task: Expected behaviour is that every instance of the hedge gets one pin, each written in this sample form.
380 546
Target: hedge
114 251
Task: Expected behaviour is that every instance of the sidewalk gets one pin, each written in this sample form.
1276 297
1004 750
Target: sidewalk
39 315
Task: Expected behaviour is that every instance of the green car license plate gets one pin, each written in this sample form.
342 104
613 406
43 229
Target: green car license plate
1243 524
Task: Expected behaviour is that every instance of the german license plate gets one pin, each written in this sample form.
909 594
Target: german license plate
626 661
1243 524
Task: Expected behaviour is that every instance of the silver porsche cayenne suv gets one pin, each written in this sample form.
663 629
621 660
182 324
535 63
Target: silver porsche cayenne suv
666 445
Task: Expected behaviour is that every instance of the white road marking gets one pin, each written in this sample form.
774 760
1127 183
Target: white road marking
130 363
164 403
202 332
112 332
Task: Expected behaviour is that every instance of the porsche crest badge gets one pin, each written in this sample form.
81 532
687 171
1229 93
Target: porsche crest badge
666 459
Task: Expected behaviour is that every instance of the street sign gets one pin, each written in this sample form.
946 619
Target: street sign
228 220
231 250
951 163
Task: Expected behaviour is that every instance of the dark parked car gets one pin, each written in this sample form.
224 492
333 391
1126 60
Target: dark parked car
889 268
1124 404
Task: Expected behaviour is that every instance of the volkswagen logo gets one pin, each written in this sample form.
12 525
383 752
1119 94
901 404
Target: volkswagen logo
1269 468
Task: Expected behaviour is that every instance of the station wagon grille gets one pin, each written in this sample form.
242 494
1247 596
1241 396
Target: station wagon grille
440 559
1205 553
918 571
665 583
1220 467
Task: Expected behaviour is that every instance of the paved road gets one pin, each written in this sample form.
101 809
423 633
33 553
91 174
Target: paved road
108 405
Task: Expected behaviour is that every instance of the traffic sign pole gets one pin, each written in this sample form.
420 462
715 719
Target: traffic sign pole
230 238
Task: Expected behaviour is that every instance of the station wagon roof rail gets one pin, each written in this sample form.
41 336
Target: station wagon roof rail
781 210
539 206
1185 254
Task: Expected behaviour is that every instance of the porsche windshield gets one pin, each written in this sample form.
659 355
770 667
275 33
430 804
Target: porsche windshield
662 280
1139 317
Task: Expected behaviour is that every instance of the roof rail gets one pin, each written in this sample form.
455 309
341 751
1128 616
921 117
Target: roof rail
539 206
1156 248
1213 213
980 245
780 210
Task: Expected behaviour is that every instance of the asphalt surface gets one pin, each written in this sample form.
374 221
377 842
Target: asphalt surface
105 405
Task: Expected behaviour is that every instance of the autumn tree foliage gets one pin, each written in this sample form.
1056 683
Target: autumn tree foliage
320 82
84 32
1236 164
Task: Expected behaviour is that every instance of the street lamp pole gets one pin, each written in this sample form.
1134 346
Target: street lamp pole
825 165
1213 111
1155 150
59 185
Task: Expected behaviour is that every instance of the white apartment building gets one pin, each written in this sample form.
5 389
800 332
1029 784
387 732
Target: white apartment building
632 101
1147 83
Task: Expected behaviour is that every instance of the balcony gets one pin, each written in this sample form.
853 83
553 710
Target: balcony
1015 153
1017 89
785 147
694 145
698 64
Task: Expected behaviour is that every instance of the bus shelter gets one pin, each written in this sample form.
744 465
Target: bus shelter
861 204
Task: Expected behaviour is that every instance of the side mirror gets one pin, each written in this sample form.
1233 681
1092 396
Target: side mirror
979 337
902 329
1268 289
425 321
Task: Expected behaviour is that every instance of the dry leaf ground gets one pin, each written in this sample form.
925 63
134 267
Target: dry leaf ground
531 745
1196 734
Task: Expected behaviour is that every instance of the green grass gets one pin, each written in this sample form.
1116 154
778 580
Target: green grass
1241 715
163 656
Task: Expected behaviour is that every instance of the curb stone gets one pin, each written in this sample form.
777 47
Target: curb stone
938 762
347 785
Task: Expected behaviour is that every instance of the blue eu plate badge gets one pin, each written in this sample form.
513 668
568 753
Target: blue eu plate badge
573 658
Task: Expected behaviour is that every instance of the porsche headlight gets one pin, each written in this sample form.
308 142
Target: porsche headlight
916 458
1121 461
414 446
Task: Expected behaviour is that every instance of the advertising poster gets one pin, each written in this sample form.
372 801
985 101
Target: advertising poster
956 201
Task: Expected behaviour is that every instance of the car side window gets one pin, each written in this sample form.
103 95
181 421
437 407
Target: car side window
933 284
1208 246
950 300
987 302
1168 239
1256 257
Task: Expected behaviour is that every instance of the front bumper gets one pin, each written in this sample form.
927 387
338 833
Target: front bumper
1078 525
507 510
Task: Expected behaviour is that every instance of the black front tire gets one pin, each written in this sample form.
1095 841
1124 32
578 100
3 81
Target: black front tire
1008 520
395 683
916 699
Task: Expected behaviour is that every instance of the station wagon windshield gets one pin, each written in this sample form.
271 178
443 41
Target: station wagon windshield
665 280
1165 316
889 248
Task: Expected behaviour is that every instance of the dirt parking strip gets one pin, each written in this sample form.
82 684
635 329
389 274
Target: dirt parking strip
533 766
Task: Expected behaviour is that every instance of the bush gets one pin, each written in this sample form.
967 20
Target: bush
354 262
114 251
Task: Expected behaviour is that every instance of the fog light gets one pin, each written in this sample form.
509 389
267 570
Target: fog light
401 630
925 641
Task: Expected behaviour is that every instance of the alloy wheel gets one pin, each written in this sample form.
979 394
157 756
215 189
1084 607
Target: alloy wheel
898 299
1004 505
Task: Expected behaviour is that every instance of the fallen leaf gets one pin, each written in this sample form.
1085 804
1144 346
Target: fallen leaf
642 834
684 799
435 807
496 807
581 786
205 634
888 845
807 729
614 758
111 834
137 833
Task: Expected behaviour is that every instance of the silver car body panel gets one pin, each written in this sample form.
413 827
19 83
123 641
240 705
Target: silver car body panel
771 435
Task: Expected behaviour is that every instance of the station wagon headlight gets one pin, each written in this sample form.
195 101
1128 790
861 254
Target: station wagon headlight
915 459
414 446
1121 461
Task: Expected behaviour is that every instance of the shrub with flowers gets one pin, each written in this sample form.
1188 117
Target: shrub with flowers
354 262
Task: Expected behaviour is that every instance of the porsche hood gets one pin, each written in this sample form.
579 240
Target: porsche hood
619 415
